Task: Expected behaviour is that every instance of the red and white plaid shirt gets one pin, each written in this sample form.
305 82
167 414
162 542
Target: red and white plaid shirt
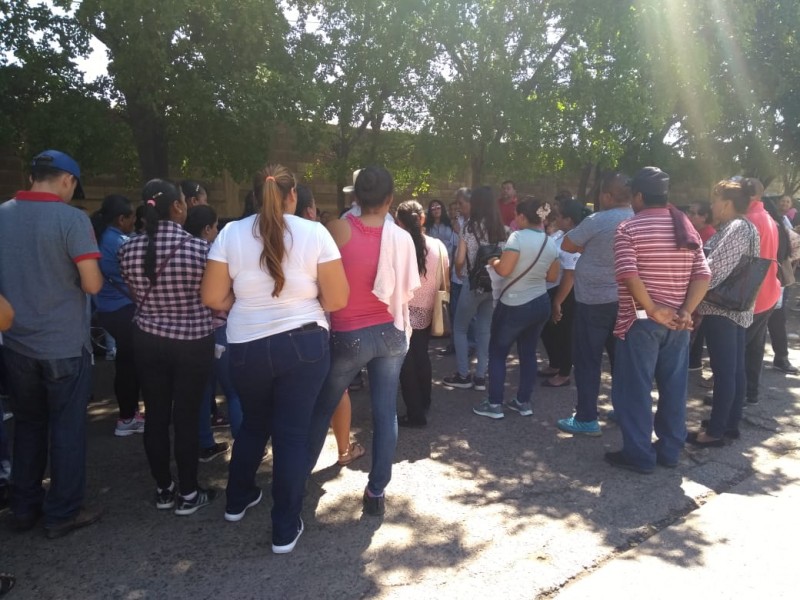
173 308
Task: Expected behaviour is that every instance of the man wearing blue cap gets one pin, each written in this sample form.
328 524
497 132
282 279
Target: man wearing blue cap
48 265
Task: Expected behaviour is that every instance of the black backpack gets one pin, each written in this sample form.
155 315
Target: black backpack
479 279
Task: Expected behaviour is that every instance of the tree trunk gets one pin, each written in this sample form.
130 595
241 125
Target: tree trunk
150 136
586 173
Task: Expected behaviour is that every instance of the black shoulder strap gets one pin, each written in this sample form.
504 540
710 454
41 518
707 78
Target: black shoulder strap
525 272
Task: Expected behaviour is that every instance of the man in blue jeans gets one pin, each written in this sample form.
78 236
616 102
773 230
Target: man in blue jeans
663 276
596 299
48 265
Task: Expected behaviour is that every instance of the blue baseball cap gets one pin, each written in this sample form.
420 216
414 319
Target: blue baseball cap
63 162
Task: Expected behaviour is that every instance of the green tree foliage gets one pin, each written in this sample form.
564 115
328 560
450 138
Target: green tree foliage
202 84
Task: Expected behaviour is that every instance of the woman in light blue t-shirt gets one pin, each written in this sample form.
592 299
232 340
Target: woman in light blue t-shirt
528 262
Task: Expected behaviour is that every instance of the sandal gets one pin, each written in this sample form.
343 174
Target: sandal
354 452
7 582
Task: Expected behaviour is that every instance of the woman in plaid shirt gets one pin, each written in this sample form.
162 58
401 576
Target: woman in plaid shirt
173 341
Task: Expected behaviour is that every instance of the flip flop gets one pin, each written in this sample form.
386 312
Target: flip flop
546 383
354 452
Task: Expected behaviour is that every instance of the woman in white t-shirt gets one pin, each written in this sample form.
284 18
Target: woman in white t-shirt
529 260
277 274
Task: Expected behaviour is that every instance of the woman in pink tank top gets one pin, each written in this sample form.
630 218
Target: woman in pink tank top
364 332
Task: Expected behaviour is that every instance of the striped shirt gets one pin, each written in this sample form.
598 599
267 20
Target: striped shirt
173 308
644 247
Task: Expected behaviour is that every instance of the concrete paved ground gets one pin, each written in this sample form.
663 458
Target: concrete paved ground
510 508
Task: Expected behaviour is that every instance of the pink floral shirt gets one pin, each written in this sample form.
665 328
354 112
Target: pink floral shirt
421 305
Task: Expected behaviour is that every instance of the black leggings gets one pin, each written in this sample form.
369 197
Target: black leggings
173 375
557 337
126 382
416 374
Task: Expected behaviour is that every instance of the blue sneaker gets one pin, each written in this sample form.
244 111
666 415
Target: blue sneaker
571 425
485 409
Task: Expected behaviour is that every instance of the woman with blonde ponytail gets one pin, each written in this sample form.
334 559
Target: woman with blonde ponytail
277 274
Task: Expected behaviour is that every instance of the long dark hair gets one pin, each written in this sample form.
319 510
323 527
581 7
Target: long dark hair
409 213
158 196
574 210
192 189
114 205
305 200
484 217
444 218
272 185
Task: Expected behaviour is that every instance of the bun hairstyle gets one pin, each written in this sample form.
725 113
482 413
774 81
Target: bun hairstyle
191 188
484 220
198 218
272 186
157 196
373 186
534 210
574 210
738 192
409 214
114 205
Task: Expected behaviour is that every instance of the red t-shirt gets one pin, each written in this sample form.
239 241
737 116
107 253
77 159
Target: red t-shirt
508 210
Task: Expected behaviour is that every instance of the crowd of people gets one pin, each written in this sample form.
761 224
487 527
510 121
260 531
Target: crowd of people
283 314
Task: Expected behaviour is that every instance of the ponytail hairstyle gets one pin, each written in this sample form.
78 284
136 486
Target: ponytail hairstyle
534 210
272 186
409 214
573 210
157 196
373 185
114 205
484 217
198 218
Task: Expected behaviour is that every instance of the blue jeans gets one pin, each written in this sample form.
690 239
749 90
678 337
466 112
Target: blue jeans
592 330
278 379
382 348
222 375
49 399
649 351
726 351
479 306
522 324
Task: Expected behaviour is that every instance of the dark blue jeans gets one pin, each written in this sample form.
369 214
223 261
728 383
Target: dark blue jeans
49 400
278 379
726 344
592 330
522 324
221 374
650 351
382 349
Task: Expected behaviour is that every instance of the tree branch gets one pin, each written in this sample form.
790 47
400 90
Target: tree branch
530 85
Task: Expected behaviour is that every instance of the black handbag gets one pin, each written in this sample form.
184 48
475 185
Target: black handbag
738 291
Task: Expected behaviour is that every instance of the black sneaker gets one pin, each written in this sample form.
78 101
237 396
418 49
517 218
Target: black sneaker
479 383
374 505
209 454
165 499
733 434
457 381
189 507
785 366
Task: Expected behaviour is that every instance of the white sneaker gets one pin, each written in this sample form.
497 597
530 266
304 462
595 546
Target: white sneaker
126 428
234 517
286 548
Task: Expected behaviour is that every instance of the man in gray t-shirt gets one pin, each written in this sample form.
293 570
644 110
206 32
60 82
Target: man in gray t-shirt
48 265
596 299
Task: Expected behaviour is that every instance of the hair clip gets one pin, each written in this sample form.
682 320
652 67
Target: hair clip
268 177
151 202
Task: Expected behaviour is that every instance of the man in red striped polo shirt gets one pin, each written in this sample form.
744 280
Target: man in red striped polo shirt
662 277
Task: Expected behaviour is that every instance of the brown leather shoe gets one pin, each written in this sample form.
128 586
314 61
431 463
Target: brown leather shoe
84 518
